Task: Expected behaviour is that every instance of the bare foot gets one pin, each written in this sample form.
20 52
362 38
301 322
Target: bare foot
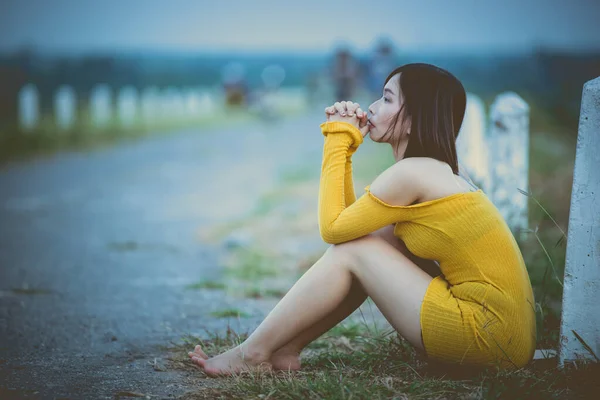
230 362
283 359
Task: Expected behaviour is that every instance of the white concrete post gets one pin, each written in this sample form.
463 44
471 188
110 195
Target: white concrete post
150 105
581 292
101 107
471 144
65 107
191 100
172 103
29 106
208 103
127 105
508 150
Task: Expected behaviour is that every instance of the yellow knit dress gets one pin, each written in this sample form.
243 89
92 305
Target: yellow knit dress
480 310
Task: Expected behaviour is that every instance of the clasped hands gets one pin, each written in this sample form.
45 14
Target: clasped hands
347 111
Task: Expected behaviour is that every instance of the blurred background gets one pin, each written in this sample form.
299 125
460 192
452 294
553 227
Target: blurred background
158 128
71 69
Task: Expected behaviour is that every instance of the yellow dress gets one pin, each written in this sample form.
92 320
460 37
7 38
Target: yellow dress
480 310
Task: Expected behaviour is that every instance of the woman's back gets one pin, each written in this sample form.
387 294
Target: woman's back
479 258
456 224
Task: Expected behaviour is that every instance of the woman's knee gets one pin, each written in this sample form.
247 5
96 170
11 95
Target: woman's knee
354 245
351 252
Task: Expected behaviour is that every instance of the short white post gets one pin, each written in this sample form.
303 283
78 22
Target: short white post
471 144
64 107
171 103
150 105
127 105
580 322
508 151
208 104
29 105
101 105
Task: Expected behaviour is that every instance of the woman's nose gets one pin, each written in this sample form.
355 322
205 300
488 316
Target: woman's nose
370 109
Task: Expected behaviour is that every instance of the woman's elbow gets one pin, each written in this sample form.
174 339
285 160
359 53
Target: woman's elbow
330 240
328 236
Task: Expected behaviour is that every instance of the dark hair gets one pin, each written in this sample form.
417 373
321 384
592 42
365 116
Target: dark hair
435 101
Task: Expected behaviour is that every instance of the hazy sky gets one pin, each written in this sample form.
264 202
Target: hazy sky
298 25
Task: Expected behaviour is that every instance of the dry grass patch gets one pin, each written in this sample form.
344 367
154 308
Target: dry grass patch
355 361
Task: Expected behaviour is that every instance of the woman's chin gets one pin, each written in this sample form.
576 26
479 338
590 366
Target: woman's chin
372 136
374 133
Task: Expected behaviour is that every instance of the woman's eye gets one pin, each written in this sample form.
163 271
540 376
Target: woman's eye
386 100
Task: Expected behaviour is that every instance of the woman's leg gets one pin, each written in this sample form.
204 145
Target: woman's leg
355 299
287 357
394 282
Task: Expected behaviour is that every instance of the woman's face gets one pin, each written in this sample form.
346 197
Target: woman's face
384 111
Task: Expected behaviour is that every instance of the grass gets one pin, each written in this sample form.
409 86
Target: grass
258 292
255 291
304 173
47 139
355 361
252 265
268 202
245 270
131 246
207 285
31 291
229 312
349 330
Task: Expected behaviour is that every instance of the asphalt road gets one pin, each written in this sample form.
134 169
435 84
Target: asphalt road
96 249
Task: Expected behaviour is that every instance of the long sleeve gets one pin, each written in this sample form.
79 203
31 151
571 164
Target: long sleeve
337 222
349 194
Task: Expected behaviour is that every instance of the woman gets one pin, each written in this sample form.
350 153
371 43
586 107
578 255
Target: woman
478 309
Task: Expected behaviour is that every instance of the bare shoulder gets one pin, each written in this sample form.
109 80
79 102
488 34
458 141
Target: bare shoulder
439 180
416 179
401 184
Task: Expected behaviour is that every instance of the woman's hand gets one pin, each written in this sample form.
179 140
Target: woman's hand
347 111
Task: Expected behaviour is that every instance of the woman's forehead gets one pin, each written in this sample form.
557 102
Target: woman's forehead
393 83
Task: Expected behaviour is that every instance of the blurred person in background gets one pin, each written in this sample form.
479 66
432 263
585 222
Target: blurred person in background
345 72
378 66
235 84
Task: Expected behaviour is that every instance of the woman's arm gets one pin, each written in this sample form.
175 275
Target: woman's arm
341 141
349 194
351 108
340 223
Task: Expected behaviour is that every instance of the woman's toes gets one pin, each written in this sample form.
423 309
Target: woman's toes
201 352
198 353
199 361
